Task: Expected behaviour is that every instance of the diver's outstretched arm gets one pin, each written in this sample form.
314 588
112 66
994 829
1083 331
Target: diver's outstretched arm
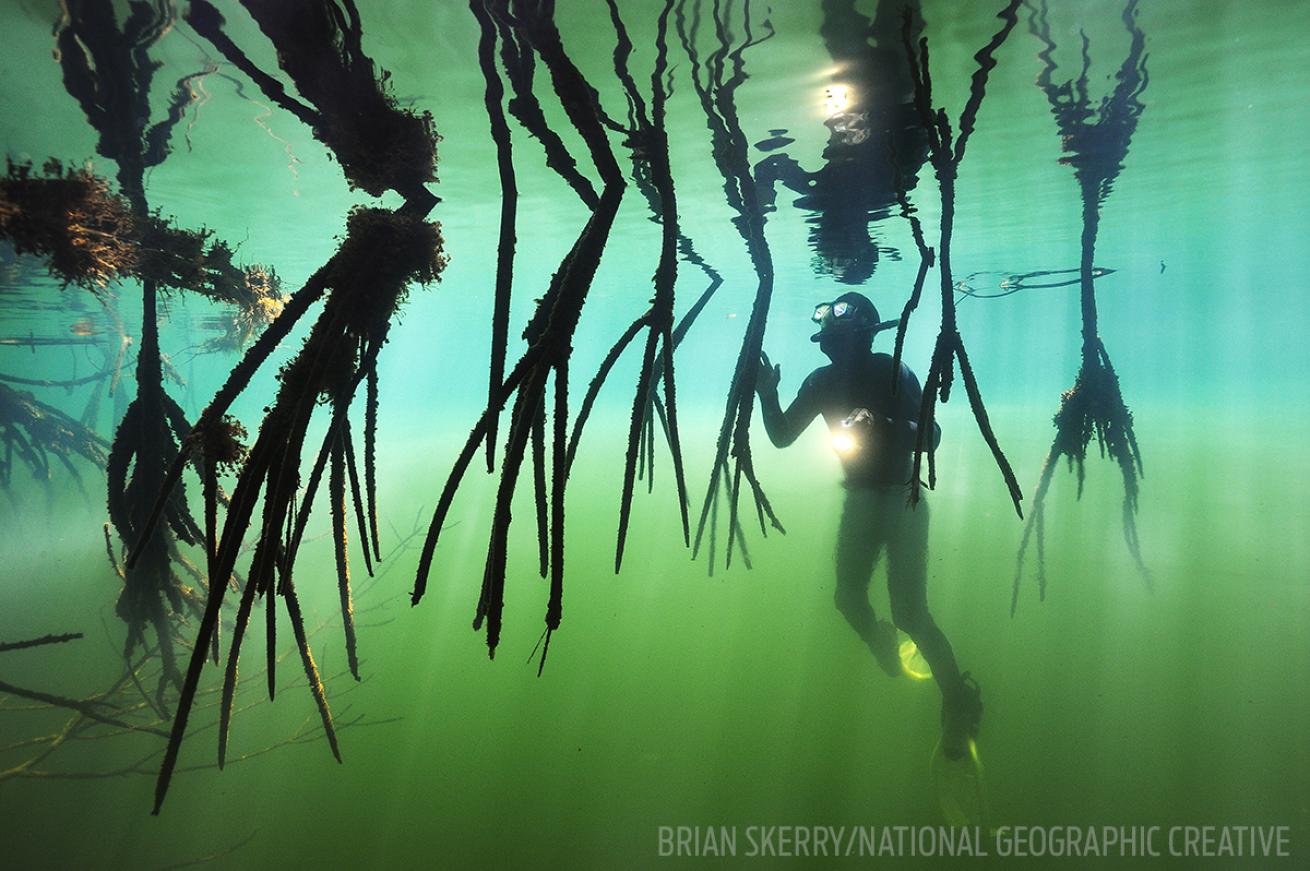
784 427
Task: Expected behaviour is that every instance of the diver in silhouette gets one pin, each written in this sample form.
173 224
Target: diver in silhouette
874 431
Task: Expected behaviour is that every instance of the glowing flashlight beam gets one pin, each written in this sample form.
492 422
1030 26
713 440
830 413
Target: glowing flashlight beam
843 442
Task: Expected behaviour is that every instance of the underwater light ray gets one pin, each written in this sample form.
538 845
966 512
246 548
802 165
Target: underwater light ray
1096 143
461 464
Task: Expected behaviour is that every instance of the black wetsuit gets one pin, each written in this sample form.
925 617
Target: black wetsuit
876 513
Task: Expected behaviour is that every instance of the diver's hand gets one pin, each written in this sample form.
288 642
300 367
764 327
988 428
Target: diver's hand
766 380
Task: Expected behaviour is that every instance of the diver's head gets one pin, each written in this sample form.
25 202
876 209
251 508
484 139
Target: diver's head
846 325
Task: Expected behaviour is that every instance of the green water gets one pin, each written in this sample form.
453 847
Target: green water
670 697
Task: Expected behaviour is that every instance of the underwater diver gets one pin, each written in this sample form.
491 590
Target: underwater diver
874 432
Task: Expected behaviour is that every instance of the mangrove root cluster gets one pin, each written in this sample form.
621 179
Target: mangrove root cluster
946 150
1095 141
380 146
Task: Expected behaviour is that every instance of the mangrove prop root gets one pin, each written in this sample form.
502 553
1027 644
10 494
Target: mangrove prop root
379 147
370 456
715 83
652 136
539 490
36 430
559 472
531 30
88 709
5 647
361 521
1096 141
926 259
337 497
500 134
946 151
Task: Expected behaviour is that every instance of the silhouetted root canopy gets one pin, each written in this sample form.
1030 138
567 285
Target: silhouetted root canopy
383 252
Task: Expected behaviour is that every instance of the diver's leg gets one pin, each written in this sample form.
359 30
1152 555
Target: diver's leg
858 541
907 587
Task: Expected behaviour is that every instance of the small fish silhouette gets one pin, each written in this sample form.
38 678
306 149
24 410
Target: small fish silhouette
83 327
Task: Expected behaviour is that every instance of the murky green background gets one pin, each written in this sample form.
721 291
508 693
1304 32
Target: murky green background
670 697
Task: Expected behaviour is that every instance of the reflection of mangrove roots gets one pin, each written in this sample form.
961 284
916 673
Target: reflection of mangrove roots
926 258
1096 142
319 43
91 236
947 150
107 68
